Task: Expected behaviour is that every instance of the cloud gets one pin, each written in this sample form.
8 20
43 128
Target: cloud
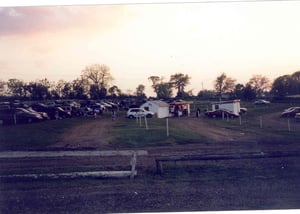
30 20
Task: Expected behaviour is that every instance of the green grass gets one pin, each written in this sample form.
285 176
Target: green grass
35 135
277 131
130 133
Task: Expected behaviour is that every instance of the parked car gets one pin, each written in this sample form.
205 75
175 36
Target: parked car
139 112
243 110
290 112
87 111
53 112
297 116
43 114
19 115
220 113
262 102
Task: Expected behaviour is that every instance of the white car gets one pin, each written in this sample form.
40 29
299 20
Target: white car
139 112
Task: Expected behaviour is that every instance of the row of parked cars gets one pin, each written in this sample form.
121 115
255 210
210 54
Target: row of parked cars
18 112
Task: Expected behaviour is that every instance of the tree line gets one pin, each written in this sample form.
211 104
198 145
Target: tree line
95 83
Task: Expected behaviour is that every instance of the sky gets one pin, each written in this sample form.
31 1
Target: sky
136 41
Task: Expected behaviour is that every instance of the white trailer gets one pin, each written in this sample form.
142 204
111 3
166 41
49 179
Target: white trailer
232 106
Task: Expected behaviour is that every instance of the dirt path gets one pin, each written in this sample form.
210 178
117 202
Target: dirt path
89 135
213 133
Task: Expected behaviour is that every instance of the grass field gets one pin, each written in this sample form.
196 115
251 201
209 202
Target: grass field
132 134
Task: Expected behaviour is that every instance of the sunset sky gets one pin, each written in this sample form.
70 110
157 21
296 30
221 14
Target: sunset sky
140 40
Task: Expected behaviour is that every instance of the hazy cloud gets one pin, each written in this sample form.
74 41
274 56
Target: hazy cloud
27 20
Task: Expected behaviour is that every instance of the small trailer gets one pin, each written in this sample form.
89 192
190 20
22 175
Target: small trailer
232 106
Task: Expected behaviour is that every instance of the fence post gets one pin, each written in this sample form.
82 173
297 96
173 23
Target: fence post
289 125
260 122
140 121
146 123
133 165
15 119
240 118
167 126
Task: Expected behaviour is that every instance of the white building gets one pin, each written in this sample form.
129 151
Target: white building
232 106
160 108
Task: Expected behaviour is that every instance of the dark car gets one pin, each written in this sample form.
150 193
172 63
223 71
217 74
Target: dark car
53 112
290 112
19 115
220 113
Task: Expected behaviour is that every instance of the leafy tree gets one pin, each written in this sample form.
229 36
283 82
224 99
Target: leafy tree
283 86
17 87
114 91
206 94
180 81
155 80
79 88
239 91
140 91
249 93
224 84
162 89
2 87
39 89
66 91
260 84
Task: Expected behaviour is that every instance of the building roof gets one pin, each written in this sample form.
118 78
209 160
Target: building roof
226 102
159 103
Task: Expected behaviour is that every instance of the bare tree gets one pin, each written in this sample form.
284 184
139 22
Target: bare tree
99 78
98 75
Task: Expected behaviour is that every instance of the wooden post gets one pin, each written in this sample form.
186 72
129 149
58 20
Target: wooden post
167 126
240 117
159 168
140 121
289 125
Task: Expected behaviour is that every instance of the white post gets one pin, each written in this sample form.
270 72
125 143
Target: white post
133 165
260 122
289 126
167 126
146 123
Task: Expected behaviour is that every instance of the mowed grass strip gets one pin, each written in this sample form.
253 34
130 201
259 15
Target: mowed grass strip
136 134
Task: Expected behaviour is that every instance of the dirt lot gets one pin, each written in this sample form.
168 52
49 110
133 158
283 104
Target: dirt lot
249 184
